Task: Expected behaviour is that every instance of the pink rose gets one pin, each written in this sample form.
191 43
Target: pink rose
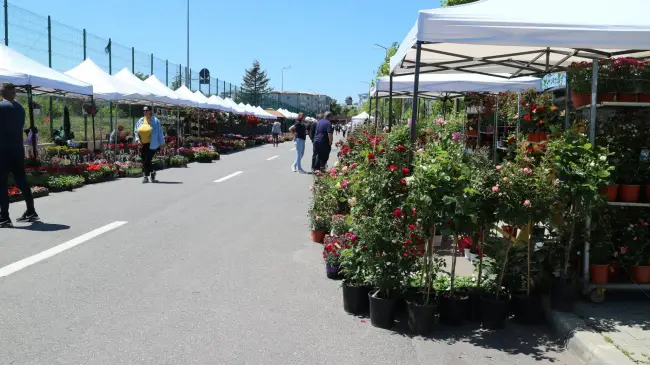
499 167
345 169
505 179
526 203
527 171
495 189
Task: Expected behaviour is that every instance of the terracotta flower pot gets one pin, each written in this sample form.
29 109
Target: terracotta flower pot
626 97
580 99
605 97
643 97
646 193
317 236
641 274
629 193
599 274
612 192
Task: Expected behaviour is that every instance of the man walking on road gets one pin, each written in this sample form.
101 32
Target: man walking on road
275 132
312 136
12 156
299 131
323 140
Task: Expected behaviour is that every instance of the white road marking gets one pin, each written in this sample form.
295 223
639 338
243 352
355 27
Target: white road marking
29 261
228 177
293 149
272 158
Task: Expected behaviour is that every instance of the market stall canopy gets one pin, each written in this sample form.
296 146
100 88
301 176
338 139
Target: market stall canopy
157 97
235 107
210 103
223 106
275 113
264 114
362 116
246 110
161 89
185 93
23 71
107 87
523 37
443 85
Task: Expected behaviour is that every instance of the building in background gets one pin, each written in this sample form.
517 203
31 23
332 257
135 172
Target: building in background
304 101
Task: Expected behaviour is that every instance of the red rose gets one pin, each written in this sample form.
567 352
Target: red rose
402 181
413 212
412 227
397 213
392 168
405 170
363 248
371 156
400 148
407 243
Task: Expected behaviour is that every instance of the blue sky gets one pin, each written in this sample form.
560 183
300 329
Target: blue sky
328 44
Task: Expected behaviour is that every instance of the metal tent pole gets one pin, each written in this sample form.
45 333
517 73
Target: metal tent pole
592 139
31 118
495 133
567 92
390 102
416 84
93 121
518 114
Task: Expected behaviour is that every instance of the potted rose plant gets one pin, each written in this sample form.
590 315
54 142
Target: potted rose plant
332 255
355 277
641 256
579 80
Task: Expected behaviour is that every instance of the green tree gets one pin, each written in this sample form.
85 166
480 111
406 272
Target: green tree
255 84
177 82
335 108
445 3
141 76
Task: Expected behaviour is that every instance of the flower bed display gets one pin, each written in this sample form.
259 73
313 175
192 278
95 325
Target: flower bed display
544 191
37 192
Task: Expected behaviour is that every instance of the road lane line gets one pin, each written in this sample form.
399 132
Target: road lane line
228 177
293 149
272 158
44 255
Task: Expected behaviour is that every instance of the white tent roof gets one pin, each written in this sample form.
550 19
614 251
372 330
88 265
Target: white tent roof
185 93
126 76
523 37
246 109
223 106
440 85
23 71
235 107
107 87
264 114
362 116
160 88
210 103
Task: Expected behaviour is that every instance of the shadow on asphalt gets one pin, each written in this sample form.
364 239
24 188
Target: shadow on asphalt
43 227
620 310
168 182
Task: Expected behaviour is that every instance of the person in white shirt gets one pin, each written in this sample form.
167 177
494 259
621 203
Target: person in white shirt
344 129
275 132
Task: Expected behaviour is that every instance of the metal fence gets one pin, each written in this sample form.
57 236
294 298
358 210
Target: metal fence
63 47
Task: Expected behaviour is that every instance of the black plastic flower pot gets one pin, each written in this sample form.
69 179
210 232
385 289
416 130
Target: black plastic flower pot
382 311
473 312
494 312
332 272
452 309
563 295
421 317
355 299
527 309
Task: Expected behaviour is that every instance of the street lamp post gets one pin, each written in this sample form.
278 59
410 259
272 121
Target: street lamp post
187 72
385 48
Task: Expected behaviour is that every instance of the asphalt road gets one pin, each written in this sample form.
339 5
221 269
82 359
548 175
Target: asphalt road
193 271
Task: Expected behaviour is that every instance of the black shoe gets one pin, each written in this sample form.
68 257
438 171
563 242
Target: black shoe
6 223
29 217
145 180
153 177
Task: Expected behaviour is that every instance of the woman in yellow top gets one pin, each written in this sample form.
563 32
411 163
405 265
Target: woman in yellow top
149 135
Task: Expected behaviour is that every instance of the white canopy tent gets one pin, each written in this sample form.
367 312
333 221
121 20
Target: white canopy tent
23 71
107 87
442 85
223 106
246 109
210 103
187 94
235 107
506 36
161 89
157 97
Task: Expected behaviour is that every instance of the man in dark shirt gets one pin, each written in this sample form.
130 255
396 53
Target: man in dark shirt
323 140
312 136
12 156
299 131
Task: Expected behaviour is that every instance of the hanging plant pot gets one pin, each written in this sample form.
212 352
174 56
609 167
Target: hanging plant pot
382 310
332 272
626 97
641 274
527 309
629 193
421 316
564 294
494 312
605 97
599 274
646 193
317 236
355 299
581 99
452 309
